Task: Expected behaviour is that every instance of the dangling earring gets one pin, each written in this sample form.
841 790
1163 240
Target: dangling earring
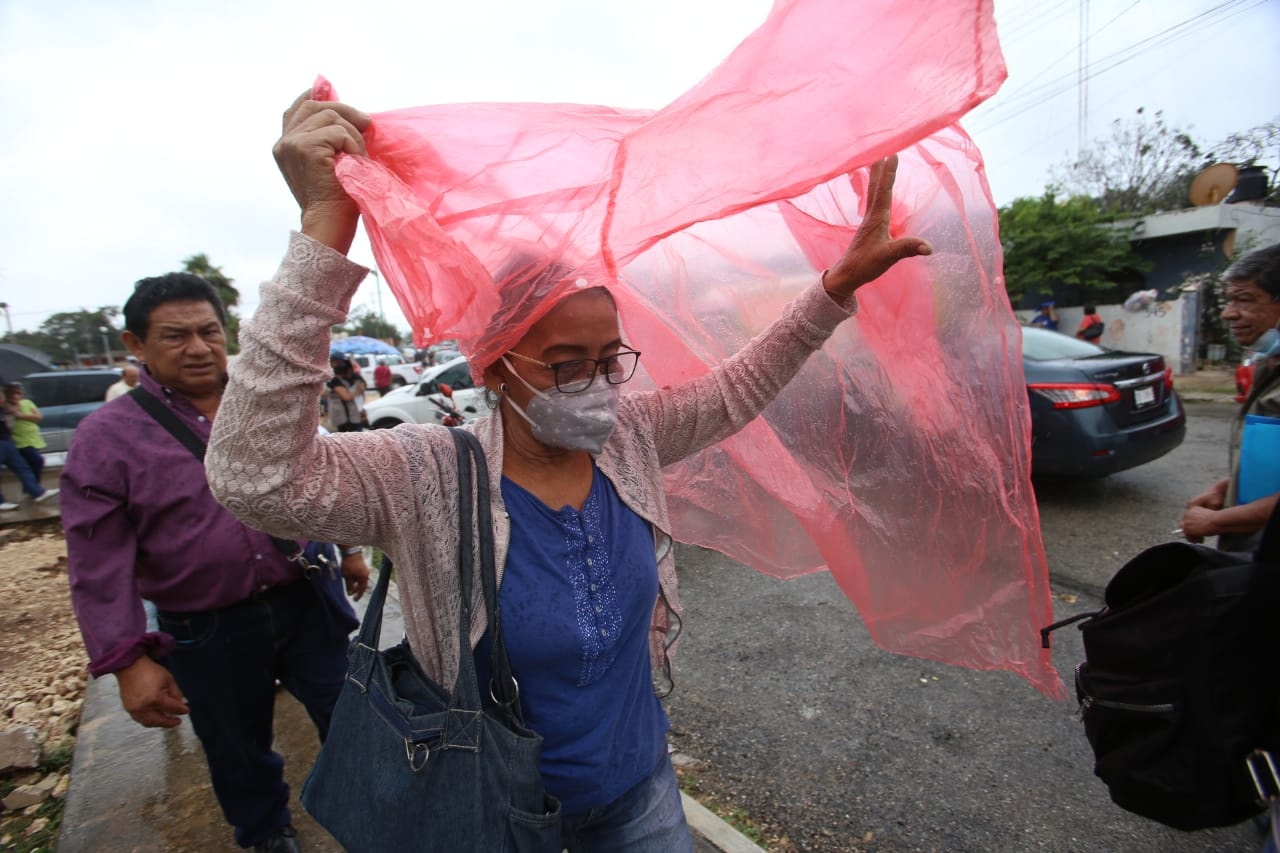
502 388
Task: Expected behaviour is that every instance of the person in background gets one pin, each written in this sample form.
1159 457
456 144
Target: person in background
1091 325
1253 312
15 461
1046 316
128 381
26 427
346 396
235 612
382 377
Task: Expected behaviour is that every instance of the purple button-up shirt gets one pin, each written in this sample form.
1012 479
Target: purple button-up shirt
141 523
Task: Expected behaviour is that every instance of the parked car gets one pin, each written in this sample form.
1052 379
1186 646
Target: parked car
422 403
1096 411
66 397
402 372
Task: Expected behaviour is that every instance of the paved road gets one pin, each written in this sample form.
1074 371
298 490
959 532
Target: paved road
798 720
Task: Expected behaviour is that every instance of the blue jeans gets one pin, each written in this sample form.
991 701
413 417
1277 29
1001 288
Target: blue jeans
226 662
647 819
35 460
12 458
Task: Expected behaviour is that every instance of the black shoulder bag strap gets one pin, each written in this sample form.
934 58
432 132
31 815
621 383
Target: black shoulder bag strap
503 688
164 416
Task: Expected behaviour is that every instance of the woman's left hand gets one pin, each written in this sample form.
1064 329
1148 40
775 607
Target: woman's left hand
873 250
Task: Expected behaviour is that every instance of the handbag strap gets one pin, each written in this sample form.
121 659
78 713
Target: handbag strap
164 416
471 461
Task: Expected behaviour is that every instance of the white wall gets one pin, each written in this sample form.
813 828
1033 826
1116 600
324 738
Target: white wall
1156 329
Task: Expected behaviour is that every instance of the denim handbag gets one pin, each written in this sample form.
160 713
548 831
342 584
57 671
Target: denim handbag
410 766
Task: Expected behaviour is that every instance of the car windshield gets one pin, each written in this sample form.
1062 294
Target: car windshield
1043 345
458 377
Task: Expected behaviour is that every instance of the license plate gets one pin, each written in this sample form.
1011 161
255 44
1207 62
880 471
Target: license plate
1144 396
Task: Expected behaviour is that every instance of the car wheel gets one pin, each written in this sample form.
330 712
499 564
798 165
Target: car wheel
387 423
397 382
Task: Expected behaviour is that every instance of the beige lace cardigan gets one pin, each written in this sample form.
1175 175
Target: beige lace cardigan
396 489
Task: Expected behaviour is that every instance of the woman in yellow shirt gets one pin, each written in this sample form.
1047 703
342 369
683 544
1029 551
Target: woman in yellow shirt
26 427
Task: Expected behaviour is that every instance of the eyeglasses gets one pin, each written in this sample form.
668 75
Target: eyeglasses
578 374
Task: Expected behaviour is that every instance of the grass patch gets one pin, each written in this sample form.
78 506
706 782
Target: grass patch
739 818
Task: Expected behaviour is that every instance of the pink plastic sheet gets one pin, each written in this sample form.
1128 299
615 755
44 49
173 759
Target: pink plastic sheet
899 458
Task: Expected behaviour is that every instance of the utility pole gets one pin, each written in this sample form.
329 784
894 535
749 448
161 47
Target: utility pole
1082 81
8 318
106 344
377 283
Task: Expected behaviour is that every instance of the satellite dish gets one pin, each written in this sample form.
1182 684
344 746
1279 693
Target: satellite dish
1213 184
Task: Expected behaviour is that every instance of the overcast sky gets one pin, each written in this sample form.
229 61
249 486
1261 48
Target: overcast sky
139 133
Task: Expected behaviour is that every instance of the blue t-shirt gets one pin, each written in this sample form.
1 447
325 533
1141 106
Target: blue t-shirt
577 600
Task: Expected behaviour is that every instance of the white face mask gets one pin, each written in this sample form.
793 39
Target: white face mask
582 420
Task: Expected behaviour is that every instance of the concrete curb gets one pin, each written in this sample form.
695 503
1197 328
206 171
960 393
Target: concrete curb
707 825
1206 397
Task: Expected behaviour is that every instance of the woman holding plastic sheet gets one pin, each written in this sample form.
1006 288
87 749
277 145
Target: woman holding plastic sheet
588 585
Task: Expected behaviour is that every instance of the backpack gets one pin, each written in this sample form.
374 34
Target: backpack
1179 691
1094 331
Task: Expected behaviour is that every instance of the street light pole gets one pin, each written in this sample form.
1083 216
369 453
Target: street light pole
106 344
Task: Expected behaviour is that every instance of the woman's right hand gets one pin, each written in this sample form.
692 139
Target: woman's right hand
314 134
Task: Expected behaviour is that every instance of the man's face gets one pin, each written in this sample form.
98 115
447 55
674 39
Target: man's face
341 367
130 376
1250 311
185 348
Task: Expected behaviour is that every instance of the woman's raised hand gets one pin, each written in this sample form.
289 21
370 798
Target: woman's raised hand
873 251
315 133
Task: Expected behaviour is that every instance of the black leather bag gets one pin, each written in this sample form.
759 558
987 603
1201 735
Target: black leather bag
1179 690
410 765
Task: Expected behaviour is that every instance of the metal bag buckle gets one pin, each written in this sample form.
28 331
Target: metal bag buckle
1266 778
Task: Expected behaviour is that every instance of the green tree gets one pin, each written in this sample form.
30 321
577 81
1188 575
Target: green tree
1050 242
74 336
1142 166
1257 146
201 266
367 322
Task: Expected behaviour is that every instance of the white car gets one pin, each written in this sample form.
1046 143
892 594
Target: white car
422 403
402 372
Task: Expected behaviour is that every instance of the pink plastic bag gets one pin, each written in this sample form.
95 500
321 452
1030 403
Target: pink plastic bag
899 458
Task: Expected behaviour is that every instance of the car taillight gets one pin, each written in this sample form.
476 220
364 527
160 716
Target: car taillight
1168 380
1076 395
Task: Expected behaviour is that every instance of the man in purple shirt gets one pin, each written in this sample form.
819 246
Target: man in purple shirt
234 612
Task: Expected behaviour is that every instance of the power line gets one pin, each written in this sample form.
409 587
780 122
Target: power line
1045 69
1016 105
